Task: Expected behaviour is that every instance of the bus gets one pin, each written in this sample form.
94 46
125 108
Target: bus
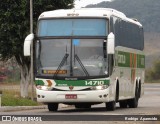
88 56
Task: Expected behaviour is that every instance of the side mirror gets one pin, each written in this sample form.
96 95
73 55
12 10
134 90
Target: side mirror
27 44
111 44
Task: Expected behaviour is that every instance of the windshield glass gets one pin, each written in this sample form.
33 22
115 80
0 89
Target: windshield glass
72 27
71 57
72 47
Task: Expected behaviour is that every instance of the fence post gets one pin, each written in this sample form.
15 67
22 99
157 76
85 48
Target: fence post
0 97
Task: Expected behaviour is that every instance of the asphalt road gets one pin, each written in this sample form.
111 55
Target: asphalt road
149 104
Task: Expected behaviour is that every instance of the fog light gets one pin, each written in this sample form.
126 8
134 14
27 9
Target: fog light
105 95
100 96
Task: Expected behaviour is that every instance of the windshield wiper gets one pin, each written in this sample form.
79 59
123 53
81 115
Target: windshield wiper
61 64
81 64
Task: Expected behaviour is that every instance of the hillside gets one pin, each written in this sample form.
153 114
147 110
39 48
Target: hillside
147 12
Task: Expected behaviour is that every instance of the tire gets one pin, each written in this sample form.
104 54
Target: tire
133 103
117 92
139 90
52 106
111 106
123 104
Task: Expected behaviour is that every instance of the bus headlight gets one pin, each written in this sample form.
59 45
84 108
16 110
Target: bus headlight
46 88
100 87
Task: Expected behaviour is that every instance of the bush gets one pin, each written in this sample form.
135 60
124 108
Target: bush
153 73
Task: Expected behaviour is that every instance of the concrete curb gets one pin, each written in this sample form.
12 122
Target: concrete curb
20 108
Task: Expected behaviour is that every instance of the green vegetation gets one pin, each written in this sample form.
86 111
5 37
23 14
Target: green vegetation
153 73
9 99
14 27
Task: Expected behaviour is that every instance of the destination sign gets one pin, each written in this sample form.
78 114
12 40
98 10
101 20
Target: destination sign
54 71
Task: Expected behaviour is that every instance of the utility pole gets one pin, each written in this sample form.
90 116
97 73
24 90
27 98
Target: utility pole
31 67
31 16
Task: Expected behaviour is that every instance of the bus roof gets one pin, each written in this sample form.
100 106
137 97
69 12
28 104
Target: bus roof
87 12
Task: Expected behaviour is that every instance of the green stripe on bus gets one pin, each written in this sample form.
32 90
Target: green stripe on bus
81 82
132 60
123 59
39 82
140 61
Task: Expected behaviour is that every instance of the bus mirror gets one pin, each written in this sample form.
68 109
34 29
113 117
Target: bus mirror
111 44
27 44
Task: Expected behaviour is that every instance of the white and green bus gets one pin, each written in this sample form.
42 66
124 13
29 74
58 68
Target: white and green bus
88 56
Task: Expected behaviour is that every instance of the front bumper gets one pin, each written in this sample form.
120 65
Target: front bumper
82 96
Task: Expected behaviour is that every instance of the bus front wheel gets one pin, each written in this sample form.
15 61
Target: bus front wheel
52 106
111 106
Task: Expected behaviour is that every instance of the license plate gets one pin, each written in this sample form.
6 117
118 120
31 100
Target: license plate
71 96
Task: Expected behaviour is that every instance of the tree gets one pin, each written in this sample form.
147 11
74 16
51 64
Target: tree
14 27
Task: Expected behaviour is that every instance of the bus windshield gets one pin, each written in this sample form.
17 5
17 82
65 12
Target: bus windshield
72 57
72 27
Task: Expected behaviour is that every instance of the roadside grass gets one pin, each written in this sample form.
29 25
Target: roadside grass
152 81
12 98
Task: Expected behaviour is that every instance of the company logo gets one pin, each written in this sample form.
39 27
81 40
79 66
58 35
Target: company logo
121 59
71 87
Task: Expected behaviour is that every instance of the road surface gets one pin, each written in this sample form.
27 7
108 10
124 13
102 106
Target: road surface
149 104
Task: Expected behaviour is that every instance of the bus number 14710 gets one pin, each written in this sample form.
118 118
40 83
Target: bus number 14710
94 83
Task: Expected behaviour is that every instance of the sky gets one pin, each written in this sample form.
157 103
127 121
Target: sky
83 3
